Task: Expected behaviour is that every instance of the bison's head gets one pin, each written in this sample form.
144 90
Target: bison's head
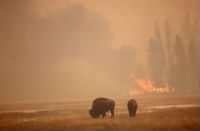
93 114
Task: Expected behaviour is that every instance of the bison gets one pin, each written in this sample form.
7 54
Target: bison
132 107
100 106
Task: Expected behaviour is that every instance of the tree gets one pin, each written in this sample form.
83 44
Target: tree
157 59
193 67
180 66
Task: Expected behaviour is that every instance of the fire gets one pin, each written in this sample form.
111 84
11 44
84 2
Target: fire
148 86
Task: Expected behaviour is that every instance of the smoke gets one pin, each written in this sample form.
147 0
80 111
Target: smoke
68 55
60 49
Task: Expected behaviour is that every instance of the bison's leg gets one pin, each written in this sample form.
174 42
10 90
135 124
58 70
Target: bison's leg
131 109
135 112
103 115
112 113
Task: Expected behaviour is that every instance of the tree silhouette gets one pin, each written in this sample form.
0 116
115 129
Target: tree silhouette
169 53
157 59
193 67
191 56
180 65
181 58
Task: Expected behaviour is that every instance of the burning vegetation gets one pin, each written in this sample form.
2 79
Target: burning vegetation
149 87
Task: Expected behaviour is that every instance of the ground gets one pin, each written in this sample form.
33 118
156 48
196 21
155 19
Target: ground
75 116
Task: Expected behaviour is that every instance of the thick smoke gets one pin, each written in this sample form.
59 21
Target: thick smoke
69 55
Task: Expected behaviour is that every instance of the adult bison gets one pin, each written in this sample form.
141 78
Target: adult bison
132 107
100 106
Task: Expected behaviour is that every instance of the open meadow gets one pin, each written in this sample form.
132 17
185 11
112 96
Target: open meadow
153 113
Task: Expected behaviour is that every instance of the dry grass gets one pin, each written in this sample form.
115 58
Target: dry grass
174 118
165 119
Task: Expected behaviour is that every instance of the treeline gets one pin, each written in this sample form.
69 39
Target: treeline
173 58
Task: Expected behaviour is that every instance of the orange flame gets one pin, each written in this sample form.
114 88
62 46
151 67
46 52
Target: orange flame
148 86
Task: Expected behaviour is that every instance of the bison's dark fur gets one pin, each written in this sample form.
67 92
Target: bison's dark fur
100 106
132 107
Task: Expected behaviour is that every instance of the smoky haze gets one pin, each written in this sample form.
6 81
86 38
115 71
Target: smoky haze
59 50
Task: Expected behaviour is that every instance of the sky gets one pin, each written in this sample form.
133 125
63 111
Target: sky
75 49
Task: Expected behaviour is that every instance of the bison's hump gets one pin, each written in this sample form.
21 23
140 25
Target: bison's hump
102 101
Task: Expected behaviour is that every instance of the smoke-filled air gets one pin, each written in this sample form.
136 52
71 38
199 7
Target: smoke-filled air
74 57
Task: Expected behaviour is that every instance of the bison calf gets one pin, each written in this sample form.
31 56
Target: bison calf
100 106
132 107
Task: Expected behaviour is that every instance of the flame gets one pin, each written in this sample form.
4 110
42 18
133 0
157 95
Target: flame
148 86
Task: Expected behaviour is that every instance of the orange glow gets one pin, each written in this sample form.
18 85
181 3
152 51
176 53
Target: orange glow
148 86
134 92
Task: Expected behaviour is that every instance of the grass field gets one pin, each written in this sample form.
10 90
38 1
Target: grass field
74 115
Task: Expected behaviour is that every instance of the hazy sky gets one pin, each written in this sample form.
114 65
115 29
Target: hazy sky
60 49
